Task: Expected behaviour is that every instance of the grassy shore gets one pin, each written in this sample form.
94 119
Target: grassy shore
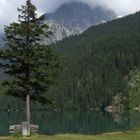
111 136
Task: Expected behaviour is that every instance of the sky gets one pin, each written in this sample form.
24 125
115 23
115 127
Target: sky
8 8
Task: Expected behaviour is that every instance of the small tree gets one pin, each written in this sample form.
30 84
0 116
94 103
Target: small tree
32 65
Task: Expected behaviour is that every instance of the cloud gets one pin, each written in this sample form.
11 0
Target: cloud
9 13
121 7
8 8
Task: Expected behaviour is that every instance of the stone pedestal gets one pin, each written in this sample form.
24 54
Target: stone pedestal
25 129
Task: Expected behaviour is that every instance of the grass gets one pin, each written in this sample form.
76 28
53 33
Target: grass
111 136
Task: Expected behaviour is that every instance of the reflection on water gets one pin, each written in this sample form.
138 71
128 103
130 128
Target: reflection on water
71 122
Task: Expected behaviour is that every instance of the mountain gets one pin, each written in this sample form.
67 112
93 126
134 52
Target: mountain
95 64
1 39
75 17
1 35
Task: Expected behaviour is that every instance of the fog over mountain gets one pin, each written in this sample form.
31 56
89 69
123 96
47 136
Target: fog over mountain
121 7
8 8
75 17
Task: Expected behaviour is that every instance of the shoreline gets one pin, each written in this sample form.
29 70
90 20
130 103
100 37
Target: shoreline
128 135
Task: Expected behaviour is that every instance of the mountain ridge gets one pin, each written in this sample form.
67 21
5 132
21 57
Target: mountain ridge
75 17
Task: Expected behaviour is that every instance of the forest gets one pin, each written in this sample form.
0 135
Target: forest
95 66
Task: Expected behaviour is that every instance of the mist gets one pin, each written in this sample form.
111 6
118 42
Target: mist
8 8
121 7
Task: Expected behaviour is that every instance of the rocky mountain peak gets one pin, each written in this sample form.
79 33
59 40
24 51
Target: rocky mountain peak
75 17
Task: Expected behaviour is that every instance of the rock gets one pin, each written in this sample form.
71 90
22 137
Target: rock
74 18
116 106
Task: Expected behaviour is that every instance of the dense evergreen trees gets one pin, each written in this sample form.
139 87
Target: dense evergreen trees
96 63
133 88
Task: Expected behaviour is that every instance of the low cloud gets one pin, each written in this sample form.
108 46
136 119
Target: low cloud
121 7
8 8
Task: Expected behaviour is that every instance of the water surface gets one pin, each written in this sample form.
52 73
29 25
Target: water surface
72 122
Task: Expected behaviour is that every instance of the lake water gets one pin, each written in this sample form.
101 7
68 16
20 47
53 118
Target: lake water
72 122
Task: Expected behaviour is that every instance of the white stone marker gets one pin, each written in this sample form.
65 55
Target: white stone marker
25 129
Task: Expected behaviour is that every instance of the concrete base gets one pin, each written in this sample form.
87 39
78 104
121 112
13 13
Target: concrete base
25 129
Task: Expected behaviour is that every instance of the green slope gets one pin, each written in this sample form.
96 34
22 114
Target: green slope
96 63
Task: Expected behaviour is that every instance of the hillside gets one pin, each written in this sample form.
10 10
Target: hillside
96 63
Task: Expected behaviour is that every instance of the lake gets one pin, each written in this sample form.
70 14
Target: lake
73 122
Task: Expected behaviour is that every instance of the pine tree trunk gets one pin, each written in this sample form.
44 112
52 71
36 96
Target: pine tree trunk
28 108
28 114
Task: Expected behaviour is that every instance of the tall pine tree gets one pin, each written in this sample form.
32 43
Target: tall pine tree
32 65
